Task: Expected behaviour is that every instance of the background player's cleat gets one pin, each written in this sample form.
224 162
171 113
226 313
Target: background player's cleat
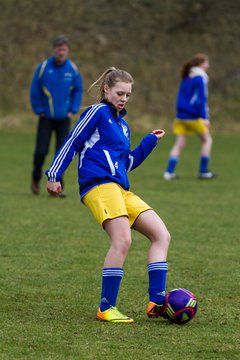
113 315
170 176
207 175
155 310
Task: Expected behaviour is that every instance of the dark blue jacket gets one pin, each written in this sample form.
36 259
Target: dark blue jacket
56 89
102 141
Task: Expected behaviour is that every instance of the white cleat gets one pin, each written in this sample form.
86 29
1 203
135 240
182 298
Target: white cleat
207 175
169 176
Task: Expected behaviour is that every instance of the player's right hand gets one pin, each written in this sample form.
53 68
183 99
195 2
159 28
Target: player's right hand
54 188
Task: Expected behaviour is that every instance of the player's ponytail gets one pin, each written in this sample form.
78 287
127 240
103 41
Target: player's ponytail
197 60
110 77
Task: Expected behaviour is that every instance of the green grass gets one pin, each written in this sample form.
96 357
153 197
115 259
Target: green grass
52 253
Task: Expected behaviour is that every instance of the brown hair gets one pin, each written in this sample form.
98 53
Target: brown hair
110 77
197 60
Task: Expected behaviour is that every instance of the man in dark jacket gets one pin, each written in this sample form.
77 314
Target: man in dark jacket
55 95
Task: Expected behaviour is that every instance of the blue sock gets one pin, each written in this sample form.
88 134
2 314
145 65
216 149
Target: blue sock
204 164
172 163
111 279
157 273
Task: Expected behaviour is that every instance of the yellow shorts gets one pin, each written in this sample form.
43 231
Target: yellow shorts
188 127
109 201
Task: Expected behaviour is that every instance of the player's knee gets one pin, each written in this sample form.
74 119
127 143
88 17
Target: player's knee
125 244
182 145
167 237
207 139
210 140
163 237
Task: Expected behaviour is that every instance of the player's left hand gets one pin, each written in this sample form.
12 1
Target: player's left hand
159 133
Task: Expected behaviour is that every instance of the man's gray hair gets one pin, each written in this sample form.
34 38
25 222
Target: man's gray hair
60 40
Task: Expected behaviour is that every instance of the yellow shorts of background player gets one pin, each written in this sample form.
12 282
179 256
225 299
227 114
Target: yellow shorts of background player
109 201
188 127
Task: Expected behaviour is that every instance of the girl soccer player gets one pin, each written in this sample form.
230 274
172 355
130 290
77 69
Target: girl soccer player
192 115
102 140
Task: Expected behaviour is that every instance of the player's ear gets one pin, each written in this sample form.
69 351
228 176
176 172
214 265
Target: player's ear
106 88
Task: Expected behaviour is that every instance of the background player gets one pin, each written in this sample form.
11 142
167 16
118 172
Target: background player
192 115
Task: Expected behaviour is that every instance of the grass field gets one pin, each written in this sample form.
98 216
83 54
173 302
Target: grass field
52 253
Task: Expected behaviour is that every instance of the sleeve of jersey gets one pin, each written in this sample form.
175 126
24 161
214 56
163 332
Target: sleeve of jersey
76 96
140 153
73 144
36 93
203 98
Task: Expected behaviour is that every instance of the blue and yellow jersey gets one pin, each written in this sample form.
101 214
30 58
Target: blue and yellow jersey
101 138
56 89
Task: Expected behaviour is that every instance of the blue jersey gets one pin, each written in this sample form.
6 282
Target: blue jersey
101 138
192 100
56 89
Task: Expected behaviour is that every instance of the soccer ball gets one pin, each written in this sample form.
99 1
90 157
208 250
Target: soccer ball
181 306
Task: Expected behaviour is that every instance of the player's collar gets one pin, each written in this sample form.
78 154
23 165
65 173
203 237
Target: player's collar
122 113
198 71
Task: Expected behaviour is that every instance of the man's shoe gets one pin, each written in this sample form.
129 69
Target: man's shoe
113 315
62 195
170 176
35 187
155 310
207 175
